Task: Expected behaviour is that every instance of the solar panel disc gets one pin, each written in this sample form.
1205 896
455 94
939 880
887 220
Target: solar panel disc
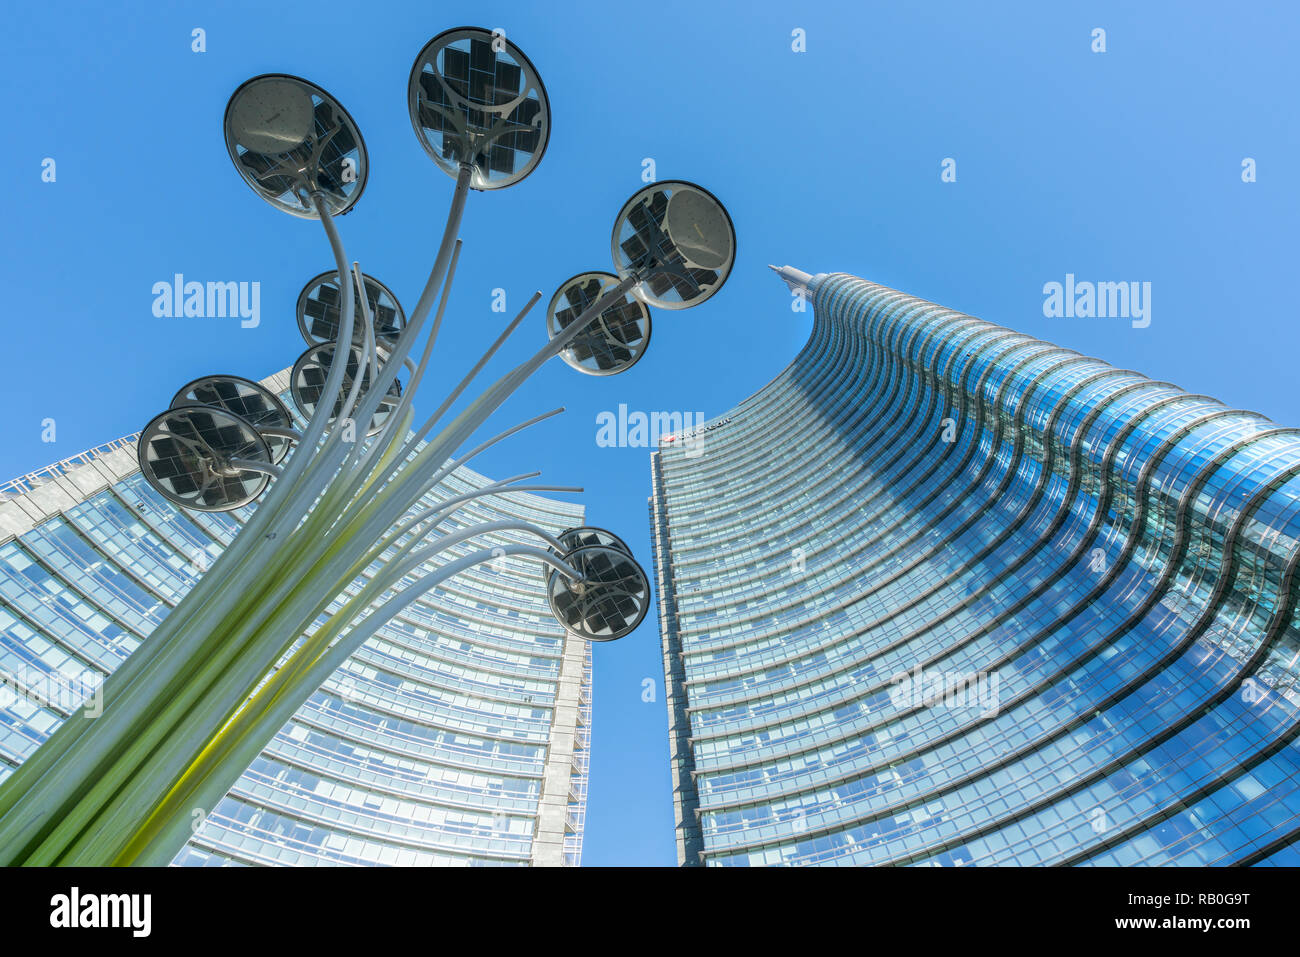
613 341
609 602
307 383
679 239
185 455
288 138
247 399
321 302
473 97
585 535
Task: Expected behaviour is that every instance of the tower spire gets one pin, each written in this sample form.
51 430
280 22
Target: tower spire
796 279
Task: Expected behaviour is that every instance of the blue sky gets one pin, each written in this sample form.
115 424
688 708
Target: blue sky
1117 166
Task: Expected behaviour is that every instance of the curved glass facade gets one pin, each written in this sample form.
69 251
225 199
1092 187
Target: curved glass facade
457 735
945 594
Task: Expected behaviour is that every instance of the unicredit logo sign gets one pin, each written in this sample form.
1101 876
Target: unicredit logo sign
700 431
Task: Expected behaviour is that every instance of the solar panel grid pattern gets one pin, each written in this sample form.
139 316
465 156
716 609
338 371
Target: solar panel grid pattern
480 78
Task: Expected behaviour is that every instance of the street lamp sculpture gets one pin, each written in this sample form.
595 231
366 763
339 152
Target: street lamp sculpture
343 530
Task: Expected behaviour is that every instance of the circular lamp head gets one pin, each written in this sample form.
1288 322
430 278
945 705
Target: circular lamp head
249 400
581 536
186 454
613 341
320 302
307 382
585 535
679 239
475 98
610 600
289 138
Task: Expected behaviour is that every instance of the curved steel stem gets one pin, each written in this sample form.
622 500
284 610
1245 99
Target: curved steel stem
253 465
418 436
327 462
53 780
210 776
369 353
284 433
417 371
389 512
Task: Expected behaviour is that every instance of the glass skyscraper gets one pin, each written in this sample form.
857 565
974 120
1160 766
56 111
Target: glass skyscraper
946 594
458 734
